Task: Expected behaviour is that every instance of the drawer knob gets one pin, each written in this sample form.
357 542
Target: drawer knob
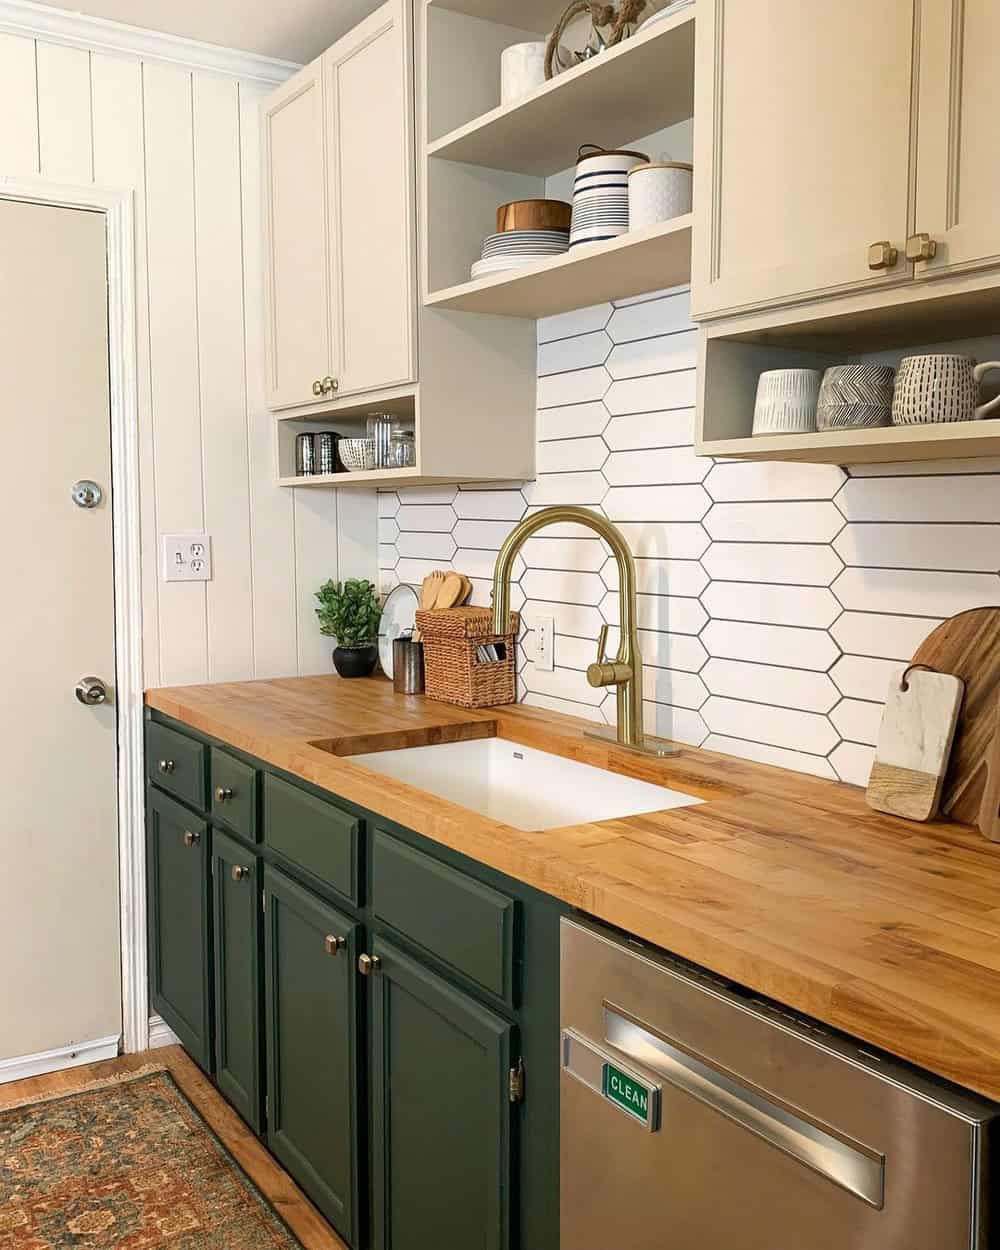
167 766
330 385
367 964
921 247
334 944
883 255
317 388
223 794
191 839
240 873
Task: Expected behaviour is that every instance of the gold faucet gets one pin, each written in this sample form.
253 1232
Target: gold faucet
624 672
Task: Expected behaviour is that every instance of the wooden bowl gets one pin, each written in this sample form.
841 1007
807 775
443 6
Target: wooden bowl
534 215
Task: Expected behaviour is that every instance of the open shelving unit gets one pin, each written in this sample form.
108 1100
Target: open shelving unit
479 155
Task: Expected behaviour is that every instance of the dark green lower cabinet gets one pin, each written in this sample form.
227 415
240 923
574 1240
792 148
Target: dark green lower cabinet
237 928
179 947
441 1114
310 988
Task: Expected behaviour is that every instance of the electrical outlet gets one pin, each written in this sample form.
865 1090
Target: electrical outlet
187 558
545 643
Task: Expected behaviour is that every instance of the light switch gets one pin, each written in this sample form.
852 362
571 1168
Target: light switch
187 558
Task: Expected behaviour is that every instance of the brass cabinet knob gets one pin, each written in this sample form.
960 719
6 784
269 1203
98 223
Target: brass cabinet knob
191 839
240 873
334 944
330 385
921 247
317 388
367 964
883 255
167 766
223 794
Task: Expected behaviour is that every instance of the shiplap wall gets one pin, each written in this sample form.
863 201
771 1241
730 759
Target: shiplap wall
187 143
775 600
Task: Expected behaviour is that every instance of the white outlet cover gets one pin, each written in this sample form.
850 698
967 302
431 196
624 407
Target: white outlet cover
545 644
187 558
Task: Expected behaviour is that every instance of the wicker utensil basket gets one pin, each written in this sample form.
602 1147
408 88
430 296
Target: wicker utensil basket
452 665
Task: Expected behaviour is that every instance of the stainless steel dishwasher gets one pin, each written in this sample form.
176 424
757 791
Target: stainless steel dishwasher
695 1117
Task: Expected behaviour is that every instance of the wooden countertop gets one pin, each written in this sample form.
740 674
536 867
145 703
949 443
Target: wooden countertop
782 882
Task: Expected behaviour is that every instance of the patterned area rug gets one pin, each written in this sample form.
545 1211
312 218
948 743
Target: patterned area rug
126 1163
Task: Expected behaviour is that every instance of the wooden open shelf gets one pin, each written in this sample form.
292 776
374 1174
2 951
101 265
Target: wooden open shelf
957 440
377 477
641 86
643 260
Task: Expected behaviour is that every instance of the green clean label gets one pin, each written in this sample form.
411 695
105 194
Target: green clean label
625 1092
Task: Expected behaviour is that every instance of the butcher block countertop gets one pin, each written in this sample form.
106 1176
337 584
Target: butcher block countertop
785 883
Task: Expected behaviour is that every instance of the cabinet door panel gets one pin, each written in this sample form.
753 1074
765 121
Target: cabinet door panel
312 1069
179 926
958 170
298 315
370 166
802 148
236 914
440 1113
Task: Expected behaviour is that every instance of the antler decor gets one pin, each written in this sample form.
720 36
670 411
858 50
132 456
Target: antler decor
601 15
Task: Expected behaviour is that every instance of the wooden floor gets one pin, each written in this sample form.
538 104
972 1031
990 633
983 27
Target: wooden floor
272 1181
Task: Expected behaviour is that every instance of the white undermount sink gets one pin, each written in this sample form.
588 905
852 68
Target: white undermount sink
521 786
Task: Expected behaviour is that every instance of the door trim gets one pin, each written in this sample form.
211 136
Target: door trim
117 205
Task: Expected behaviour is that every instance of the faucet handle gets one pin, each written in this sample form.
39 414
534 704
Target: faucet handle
602 642
607 672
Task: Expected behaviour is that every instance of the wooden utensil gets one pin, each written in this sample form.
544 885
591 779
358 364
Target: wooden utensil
534 215
428 594
449 591
968 645
466 589
914 744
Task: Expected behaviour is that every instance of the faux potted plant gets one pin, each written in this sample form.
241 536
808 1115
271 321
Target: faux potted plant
350 612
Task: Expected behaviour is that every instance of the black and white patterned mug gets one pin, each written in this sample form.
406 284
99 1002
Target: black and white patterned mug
937 388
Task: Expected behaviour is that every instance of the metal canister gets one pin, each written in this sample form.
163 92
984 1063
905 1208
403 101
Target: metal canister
327 457
407 666
305 456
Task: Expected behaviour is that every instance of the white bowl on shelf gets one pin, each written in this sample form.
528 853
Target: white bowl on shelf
357 454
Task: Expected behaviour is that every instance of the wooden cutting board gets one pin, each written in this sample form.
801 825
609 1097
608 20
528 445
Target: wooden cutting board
968 645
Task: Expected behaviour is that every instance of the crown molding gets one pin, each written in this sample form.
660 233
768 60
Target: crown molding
97 34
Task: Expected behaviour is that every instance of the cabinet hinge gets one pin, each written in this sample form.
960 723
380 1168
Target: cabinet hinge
515 1082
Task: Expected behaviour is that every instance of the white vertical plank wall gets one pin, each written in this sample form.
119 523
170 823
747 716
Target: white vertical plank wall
186 141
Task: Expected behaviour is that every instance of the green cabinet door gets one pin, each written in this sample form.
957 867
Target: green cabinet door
310 989
237 929
440 1137
179 925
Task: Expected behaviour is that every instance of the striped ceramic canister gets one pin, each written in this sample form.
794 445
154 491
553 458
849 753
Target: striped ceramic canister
600 193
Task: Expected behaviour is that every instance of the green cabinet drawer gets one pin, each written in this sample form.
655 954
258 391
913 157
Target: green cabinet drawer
465 924
234 793
177 764
316 836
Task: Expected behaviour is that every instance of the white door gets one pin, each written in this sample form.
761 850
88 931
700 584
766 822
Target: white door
59 908
958 156
802 153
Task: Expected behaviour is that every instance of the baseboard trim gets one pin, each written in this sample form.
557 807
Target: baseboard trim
161 1034
55 1060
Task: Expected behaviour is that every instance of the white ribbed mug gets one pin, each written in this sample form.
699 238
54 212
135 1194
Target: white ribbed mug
786 401
931 389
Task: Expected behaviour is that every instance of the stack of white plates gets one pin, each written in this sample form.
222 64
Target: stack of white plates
515 248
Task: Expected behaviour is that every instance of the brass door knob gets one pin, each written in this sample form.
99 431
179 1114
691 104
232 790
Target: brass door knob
317 388
166 766
334 944
883 255
223 794
240 873
191 839
921 247
367 964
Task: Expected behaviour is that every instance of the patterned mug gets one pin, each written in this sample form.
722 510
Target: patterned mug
930 389
786 401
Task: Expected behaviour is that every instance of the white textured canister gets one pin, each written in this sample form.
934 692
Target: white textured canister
522 70
659 191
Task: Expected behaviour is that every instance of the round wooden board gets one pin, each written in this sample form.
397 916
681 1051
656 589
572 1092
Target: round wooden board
968 645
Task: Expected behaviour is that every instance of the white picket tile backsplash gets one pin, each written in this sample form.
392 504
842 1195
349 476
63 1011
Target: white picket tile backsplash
776 601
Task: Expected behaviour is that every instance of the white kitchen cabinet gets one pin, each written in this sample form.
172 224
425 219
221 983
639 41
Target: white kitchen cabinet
958 157
802 150
298 344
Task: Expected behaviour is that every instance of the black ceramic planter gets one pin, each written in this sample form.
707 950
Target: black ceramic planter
355 661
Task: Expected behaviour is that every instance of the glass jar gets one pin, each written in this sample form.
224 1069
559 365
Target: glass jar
403 449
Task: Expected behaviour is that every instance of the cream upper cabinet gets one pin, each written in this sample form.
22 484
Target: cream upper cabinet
802 149
298 347
339 219
370 170
958 152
